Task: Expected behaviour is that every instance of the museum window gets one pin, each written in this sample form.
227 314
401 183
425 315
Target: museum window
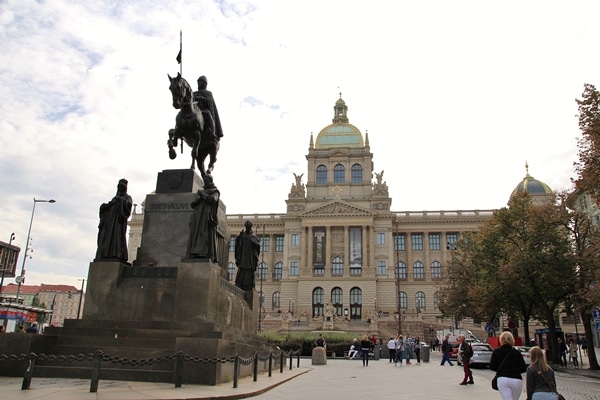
278 271
418 270
295 239
279 243
417 241
356 173
321 175
276 301
337 301
231 271
265 244
318 299
436 270
400 242
434 241
337 266
420 301
232 244
381 268
294 270
403 300
380 238
355 303
339 174
262 270
451 239
401 271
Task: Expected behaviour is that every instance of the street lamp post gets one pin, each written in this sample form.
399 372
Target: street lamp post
6 260
397 272
21 278
80 296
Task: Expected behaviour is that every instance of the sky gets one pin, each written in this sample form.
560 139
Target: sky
456 97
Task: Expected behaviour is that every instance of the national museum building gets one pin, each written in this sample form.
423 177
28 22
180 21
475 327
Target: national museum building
340 247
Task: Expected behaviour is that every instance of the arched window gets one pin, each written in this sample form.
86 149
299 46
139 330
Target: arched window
231 271
278 271
276 302
436 270
318 299
420 301
261 271
337 266
401 270
403 299
355 303
418 270
321 175
339 174
337 301
356 172
436 300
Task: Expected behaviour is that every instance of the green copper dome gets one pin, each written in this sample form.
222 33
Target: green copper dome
341 133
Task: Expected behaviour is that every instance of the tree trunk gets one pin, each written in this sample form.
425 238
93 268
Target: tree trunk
589 338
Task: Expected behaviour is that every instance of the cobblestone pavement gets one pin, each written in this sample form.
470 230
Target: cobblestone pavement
339 379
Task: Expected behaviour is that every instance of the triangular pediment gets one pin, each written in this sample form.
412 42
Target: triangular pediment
338 208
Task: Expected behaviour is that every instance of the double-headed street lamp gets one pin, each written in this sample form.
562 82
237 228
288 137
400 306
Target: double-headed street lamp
21 278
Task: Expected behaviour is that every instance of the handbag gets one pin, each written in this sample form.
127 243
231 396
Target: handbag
551 385
495 378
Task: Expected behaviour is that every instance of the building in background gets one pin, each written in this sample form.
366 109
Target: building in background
46 304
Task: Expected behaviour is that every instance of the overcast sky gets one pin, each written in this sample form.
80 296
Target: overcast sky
456 97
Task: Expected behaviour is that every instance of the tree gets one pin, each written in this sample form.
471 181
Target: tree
585 235
520 263
588 166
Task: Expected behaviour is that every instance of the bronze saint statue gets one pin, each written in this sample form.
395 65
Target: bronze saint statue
247 249
112 230
203 222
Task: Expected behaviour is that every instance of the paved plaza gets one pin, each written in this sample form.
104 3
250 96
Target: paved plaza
339 379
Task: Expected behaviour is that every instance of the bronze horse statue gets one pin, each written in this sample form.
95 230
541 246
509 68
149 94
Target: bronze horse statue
190 127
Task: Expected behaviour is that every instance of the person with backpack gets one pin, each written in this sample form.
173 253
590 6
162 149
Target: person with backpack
466 352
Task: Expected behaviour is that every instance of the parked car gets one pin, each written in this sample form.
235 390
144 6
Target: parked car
525 353
482 354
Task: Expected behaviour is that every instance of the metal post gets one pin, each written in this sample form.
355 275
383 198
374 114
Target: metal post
236 370
178 369
21 278
255 367
270 363
95 371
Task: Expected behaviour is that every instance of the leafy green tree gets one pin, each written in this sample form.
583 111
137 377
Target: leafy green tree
520 263
585 235
588 166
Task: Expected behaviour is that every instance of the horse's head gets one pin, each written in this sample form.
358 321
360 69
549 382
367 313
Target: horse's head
181 91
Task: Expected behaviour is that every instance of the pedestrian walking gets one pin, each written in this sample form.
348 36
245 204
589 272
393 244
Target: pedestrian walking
391 345
417 349
365 347
509 365
573 353
466 352
541 384
446 348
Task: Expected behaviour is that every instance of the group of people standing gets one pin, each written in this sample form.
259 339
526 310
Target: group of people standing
402 348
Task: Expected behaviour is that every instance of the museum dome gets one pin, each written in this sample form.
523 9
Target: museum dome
530 185
340 133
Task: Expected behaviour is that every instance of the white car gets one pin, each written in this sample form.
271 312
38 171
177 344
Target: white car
482 355
525 353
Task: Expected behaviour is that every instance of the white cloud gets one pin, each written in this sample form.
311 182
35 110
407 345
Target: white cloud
456 97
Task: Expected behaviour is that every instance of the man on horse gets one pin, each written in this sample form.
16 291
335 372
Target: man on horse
206 103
